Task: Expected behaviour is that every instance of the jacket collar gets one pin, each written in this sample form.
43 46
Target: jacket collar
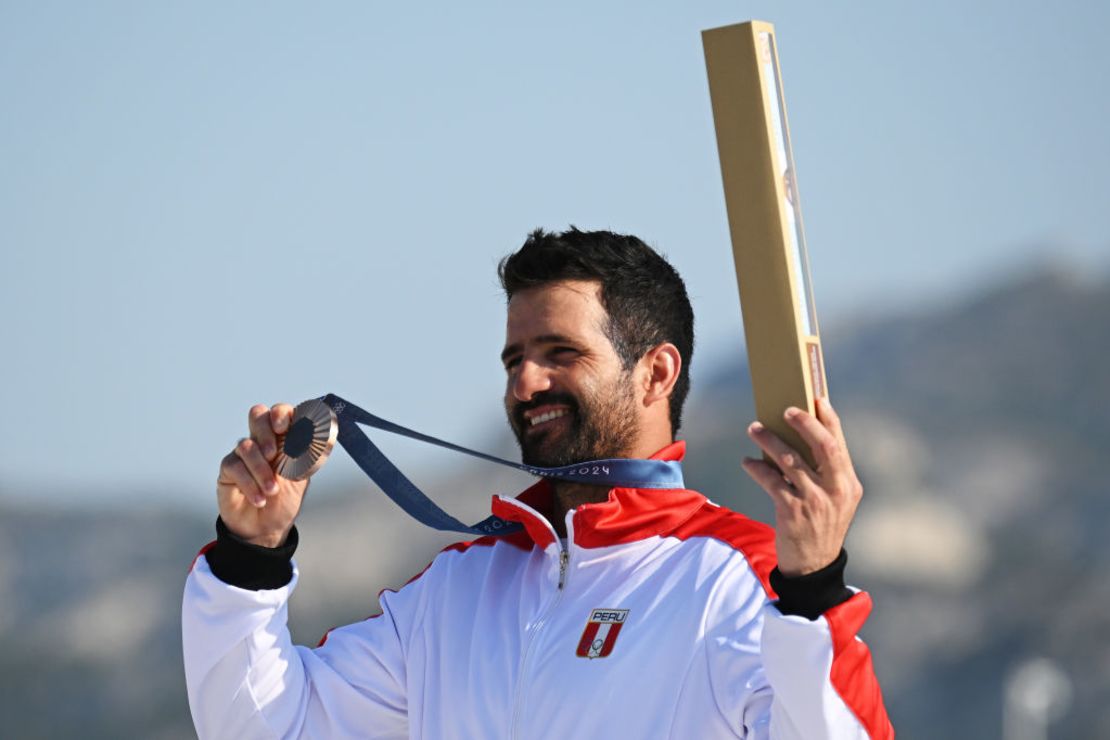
628 515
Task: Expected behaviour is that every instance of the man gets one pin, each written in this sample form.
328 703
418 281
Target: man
615 613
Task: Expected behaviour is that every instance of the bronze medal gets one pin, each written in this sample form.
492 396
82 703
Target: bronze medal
305 447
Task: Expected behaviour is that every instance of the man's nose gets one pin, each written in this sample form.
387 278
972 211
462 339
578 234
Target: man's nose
531 378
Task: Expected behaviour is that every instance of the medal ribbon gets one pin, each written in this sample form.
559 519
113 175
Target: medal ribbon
616 472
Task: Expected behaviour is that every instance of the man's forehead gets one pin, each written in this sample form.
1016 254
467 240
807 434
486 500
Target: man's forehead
566 307
561 289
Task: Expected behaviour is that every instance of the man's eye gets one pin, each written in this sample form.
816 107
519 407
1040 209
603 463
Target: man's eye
511 363
564 351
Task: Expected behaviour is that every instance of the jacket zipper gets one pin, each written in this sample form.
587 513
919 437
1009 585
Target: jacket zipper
564 562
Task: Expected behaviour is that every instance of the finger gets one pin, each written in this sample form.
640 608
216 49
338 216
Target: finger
846 478
234 473
829 418
826 447
262 431
260 470
770 480
790 462
280 416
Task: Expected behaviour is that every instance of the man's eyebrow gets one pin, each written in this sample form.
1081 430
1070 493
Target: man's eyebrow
516 348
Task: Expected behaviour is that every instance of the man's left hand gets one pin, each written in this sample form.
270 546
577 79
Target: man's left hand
813 507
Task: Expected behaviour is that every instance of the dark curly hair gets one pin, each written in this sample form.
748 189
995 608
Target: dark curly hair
642 293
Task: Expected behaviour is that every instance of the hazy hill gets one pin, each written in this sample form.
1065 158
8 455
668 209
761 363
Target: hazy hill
980 431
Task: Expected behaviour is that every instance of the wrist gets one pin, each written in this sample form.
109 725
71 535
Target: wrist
244 563
272 541
812 594
252 533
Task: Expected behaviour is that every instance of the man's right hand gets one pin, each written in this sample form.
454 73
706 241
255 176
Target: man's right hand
256 504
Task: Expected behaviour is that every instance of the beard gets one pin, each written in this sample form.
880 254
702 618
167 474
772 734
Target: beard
599 424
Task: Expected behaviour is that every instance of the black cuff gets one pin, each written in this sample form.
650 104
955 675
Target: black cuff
813 594
237 562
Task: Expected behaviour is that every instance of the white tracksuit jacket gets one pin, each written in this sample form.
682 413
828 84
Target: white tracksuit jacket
655 621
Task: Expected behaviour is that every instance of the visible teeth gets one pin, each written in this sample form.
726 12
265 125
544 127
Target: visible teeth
548 416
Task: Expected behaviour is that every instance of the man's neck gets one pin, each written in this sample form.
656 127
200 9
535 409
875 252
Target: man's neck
566 496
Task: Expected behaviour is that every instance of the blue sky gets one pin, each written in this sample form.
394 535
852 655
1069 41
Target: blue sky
207 205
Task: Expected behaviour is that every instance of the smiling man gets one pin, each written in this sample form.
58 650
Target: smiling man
570 396
638 610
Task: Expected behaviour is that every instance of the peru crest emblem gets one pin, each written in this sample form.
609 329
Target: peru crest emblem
601 632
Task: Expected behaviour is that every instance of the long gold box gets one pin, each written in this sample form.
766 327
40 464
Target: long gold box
765 222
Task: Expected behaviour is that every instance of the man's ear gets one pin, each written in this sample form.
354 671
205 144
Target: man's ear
661 366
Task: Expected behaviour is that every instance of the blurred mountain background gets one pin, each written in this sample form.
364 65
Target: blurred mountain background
980 431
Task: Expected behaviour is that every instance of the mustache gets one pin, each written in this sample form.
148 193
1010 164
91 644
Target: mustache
542 399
